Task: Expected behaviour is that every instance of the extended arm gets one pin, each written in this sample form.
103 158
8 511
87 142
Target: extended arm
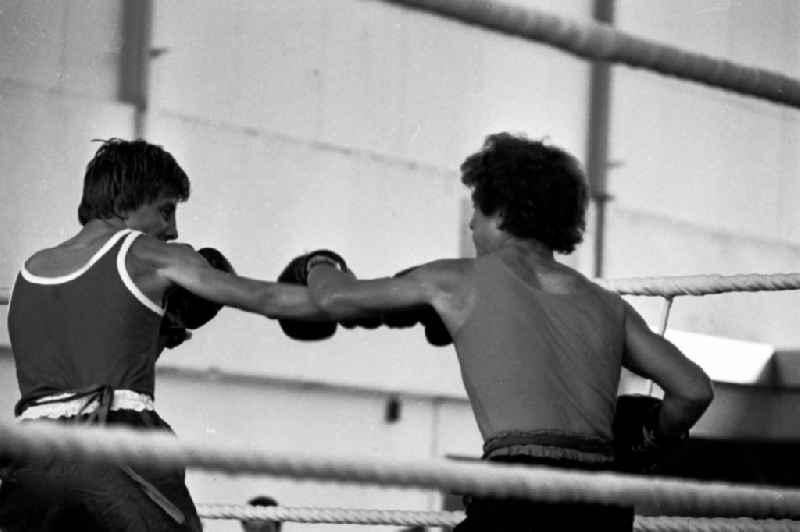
342 296
183 266
687 388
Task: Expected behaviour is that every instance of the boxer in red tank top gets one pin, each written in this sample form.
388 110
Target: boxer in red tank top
85 322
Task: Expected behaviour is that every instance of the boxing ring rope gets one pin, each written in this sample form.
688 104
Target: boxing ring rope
338 516
595 41
671 286
701 285
409 518
150 449
698 285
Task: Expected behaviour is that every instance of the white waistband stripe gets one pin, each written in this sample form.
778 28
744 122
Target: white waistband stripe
123 400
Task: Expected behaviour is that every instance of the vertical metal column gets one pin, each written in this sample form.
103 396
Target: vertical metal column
597 139
134 69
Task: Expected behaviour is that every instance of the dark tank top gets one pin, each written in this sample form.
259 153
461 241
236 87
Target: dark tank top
538 362
92 327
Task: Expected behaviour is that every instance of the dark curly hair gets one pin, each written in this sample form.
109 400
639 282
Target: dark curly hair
539 190
123 175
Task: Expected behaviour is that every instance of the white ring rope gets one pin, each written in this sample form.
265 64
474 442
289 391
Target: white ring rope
596 41
299 514
713 524
671 496
672 286
700 285
328 515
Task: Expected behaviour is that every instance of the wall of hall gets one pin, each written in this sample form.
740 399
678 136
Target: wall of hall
705 181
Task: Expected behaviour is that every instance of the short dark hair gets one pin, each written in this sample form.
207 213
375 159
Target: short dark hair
539 190
123 175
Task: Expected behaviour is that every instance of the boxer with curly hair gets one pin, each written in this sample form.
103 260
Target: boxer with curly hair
540 346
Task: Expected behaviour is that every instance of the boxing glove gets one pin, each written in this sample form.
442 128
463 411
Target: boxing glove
296 272
639 446
185 310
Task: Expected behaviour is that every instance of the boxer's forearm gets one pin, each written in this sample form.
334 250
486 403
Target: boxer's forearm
342 296
282 300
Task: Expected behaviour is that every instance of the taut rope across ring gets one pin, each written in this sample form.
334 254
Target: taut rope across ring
602 42
673 497
671 286
408 518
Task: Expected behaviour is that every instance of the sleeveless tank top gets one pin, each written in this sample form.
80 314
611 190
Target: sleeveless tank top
92 327
537 362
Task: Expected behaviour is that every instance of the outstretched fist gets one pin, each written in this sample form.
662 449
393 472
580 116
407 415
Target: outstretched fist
296 272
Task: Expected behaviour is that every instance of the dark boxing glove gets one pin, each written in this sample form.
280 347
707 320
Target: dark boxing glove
172 334
296 272
369 322
639 447
185 310
435 331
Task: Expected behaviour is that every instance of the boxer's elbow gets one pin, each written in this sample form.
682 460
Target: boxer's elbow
705 392
699 391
